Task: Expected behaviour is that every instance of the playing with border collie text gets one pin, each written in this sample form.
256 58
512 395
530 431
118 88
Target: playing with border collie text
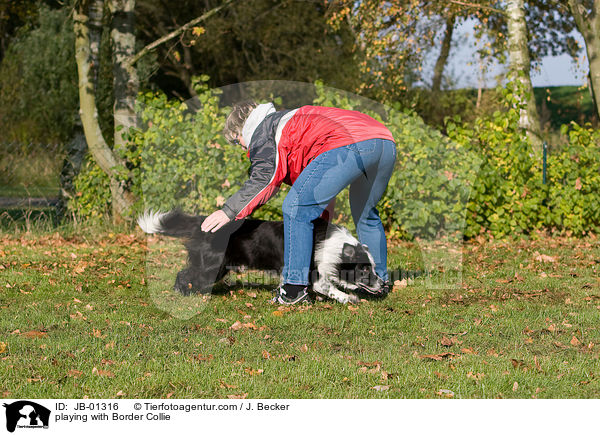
318 151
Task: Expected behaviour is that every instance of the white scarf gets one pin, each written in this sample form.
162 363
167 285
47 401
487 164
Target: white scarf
257 115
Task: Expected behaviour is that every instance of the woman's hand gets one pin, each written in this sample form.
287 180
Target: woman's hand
215 221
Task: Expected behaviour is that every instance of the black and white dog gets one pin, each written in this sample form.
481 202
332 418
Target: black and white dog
340 267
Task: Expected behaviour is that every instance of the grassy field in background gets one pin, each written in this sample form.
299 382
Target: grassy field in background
560 105
81 317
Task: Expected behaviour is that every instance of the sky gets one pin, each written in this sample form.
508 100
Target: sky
463 65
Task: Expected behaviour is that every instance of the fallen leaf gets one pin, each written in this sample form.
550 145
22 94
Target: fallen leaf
277 313
101 372
446 393
542 258
74 373
253 372
266 355
575 342
476 377
445 341
438 357
223 384
516 363
515 386
2 347
469 350
304 348
201 358
237 396
578 183
401 283
236 326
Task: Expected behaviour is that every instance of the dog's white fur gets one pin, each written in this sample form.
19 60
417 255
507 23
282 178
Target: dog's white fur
149 222
327 256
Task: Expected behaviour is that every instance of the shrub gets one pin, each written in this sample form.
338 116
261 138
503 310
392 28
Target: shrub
482 177
574 182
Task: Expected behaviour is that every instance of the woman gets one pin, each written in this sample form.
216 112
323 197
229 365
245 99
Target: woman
318 151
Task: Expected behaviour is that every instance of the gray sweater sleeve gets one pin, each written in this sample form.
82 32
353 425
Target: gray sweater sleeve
261 185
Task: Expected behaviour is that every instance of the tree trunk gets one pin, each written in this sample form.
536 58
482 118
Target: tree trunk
108 161
588 24
126 84
438 71
520 64
96 13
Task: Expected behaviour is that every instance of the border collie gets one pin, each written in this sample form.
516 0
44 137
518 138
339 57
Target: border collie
341 266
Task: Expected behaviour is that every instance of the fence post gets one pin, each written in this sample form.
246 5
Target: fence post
545 153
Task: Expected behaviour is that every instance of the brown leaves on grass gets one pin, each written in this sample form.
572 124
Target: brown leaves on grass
202 358
239 325
369 367
101 372
223 384
543 258
438 357
2 347
449 394
253 372
445 341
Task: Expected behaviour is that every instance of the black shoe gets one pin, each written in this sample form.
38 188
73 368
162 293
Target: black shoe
282 299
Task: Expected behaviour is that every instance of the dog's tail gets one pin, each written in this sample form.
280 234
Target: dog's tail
174 223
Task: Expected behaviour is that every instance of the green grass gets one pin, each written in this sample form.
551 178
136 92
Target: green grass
93 316
560 105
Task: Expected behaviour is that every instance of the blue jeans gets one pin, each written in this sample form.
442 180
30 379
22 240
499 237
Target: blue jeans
364 166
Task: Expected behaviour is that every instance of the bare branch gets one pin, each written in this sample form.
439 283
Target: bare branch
175 33
478 6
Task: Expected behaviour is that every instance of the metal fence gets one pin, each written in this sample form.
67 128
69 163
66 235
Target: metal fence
30 182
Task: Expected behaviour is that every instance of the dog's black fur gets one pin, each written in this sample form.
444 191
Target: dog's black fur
339 260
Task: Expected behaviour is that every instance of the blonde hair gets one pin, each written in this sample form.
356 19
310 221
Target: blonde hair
236 119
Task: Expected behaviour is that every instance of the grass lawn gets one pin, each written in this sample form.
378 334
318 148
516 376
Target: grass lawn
94 317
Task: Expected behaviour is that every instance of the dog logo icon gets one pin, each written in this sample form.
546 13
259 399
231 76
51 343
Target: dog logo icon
26 414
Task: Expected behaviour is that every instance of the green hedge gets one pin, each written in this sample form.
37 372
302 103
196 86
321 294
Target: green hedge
482 177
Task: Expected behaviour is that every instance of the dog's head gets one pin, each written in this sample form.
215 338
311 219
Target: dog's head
356 270
343 261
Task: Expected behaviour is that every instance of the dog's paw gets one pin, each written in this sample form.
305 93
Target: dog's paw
353 299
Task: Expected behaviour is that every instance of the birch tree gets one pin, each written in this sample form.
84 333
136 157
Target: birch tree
85 57
587 19
87 18
520 64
